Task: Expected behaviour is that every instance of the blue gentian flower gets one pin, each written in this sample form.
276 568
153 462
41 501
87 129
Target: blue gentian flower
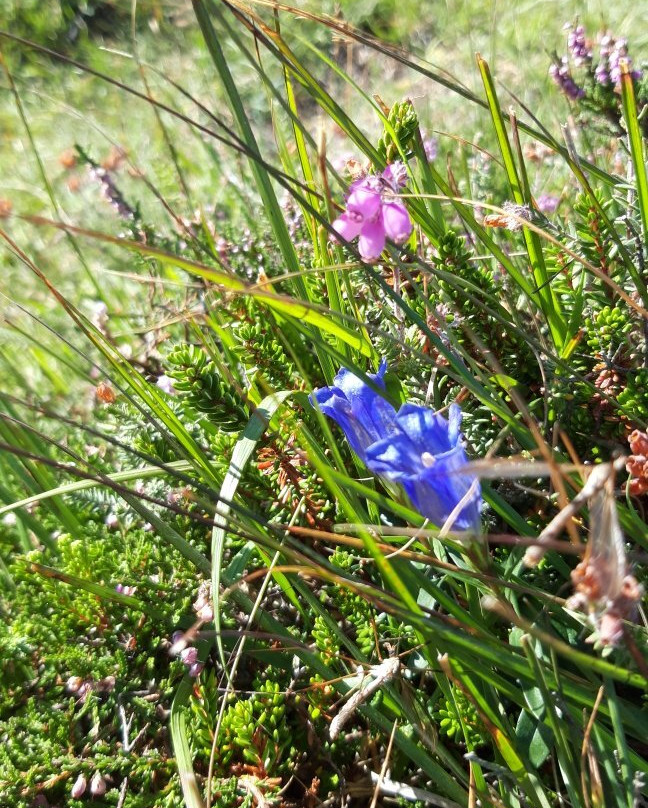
415 448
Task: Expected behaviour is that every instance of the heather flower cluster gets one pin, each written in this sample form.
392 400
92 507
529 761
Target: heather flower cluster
608 70
561 74
637 465
431 148
547 204
188 654
374 214
578 46
415 449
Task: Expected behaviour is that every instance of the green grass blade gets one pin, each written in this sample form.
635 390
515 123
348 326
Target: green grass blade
521 196
180 741
266 191
241 455
630 114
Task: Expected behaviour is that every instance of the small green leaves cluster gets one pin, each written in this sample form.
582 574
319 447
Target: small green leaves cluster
74 661
403 121
197 379
259 350
608 329
459 720
634 398
255 728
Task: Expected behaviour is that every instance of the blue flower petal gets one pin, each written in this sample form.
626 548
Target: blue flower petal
433 482
394 457
353 386
363 414
333 402
429 430
437 499
444 487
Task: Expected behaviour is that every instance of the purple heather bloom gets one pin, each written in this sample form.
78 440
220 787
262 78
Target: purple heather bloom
374 214
431 148
608 70
189 655
395 175
547 204
577 45
562 76
79 787
165 383
614 63
415 448
97 785
196 669
601 73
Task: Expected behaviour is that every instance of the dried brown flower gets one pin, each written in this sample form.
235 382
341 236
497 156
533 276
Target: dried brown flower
637 463
603 586
105 393
68 159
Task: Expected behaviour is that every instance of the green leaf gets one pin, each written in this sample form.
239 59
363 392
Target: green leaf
535 739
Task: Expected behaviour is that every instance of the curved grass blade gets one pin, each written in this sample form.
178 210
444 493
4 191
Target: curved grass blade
81 485
241 455
521 195
299 310
178 730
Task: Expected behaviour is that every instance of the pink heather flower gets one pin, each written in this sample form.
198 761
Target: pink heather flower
395 175
112 521
165 383
562 77
547 204
578 46
612 50
431 148
97 785
196 669
203 603
189 655
79 787
73 684
373 214
397 222
601 73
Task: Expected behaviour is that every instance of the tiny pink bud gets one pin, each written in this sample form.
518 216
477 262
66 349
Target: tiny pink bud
79 787
85 688
206 613
97 785
106 685
165 383
73 684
